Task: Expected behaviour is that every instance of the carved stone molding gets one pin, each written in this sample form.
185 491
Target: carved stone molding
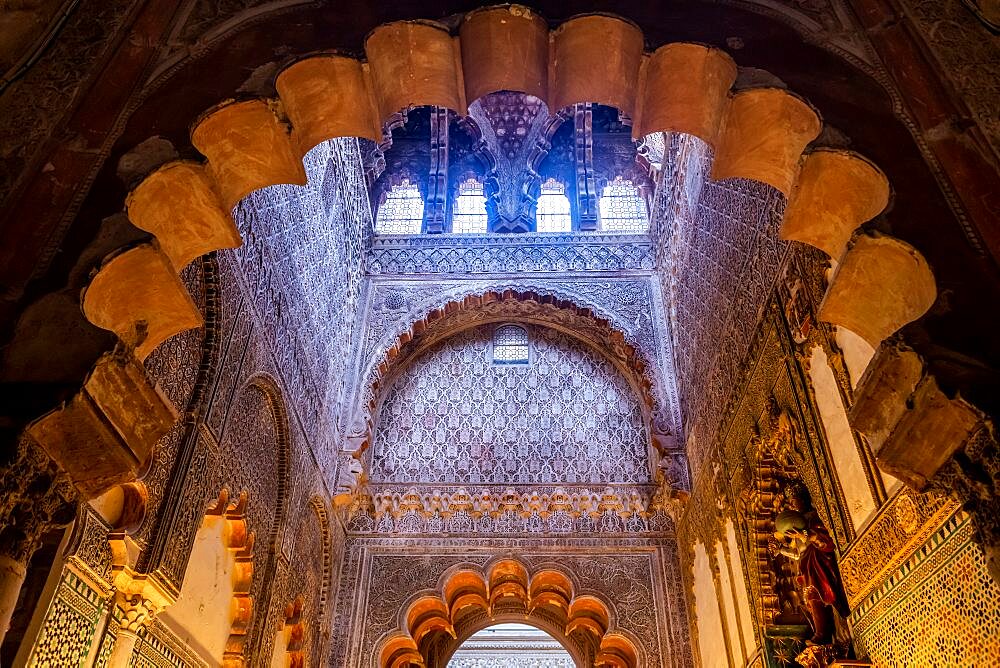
901 526
543 510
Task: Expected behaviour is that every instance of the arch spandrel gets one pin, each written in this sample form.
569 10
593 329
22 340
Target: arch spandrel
587 627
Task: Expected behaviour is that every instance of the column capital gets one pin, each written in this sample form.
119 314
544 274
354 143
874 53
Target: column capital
140 598
35 497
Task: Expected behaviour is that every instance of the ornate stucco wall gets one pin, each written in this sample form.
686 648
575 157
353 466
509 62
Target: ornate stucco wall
918 585
639 579
568 416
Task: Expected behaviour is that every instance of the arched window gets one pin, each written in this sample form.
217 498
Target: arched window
552 212
510 345
402 212
469 213
623 208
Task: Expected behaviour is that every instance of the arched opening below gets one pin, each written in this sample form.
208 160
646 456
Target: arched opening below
511 645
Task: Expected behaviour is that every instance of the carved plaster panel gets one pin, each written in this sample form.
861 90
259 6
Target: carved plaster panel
568 416
629 303
385 574
968 54
301 269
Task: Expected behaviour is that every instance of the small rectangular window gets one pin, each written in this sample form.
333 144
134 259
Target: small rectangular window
510 345
468 215
552 210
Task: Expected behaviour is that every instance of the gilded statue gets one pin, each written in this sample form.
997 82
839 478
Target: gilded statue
801 536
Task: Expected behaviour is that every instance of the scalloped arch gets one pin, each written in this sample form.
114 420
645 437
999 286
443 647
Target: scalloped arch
546 596
757 134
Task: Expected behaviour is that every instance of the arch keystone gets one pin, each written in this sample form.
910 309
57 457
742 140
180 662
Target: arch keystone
881 284
414 63
595 59
684 88
327 96
505 48
179 205
138 296
248 148
764 133
836 191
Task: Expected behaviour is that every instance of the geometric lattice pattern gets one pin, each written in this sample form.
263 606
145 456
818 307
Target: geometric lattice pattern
454 416
469 211
941 611
623 208
69 625
552 210
402 212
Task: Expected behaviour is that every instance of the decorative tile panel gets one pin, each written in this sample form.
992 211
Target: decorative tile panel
939 609
68 629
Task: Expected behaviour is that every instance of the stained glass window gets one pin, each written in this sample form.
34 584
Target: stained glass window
510 345
468 215
552 212
402 212
623 208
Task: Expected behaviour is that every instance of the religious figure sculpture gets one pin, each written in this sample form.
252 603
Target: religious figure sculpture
802 537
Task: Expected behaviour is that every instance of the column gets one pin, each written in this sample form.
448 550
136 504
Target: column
12 574
34 500
137 613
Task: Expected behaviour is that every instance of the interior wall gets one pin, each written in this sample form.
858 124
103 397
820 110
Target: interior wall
904 558
454 416
202 616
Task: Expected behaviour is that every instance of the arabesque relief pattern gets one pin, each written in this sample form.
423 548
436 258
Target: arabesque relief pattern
627 303
720 240
627 576
967 53
567 417
302 263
